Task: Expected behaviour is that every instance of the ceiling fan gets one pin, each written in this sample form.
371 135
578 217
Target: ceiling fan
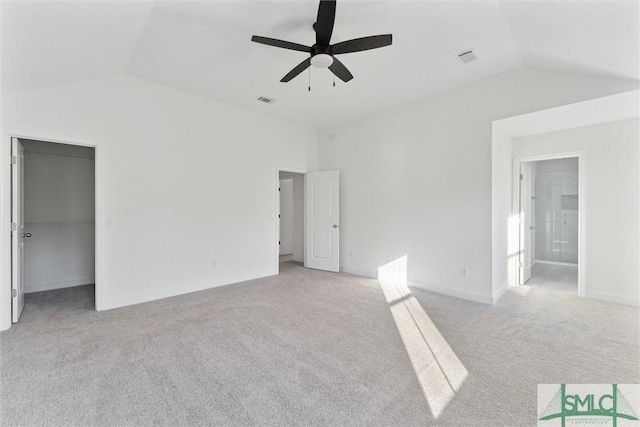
322 53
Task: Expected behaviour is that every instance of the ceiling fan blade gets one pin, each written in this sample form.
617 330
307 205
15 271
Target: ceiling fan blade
340 70
297 70
280 43
325 21
363 43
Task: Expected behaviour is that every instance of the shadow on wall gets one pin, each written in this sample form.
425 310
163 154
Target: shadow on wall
437 368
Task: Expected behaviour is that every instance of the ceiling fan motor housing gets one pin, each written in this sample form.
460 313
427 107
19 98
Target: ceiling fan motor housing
318 50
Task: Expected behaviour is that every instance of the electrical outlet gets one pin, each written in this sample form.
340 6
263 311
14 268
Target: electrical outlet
463 271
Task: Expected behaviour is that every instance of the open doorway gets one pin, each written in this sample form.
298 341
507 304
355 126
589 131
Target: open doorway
550 213
53 226
291 217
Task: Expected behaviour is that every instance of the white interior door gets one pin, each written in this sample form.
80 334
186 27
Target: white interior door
527 209
322 225
286 217
17 229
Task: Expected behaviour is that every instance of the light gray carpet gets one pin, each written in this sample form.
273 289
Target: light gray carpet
302 348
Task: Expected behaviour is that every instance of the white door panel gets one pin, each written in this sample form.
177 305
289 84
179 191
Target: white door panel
18 233
322 244
527 190
323 225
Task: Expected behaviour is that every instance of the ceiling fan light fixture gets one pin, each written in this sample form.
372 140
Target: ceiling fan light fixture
321 60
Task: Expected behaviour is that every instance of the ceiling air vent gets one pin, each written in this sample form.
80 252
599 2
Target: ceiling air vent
266 100
467 56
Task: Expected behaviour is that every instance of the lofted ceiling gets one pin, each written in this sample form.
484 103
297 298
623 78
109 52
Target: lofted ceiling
204 47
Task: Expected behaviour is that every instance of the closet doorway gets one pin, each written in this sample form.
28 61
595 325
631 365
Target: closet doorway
53 226
291 217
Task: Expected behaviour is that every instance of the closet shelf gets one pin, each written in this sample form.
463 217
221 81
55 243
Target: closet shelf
63 224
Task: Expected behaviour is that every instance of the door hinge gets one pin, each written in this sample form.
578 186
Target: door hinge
14 160
521 177
278 215
278 189
14 293
14 226
278 241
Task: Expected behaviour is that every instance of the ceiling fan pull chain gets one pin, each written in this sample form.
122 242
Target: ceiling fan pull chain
309 79
333 71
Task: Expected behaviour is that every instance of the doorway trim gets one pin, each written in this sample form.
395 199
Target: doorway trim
277 212
99 205
582 217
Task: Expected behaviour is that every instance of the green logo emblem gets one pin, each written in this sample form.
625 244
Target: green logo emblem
564 405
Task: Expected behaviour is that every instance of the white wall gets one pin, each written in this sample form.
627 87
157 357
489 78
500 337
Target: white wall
416 180
168 164
59 201
504 237
612 234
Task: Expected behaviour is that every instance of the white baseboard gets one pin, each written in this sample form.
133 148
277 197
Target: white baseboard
61 284
368 274
618 299
167 293
452 292
497 294
297 259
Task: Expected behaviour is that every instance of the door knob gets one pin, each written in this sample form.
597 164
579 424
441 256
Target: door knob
25 235
533 227
335 225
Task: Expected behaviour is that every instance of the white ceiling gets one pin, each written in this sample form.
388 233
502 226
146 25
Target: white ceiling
47 44
204 47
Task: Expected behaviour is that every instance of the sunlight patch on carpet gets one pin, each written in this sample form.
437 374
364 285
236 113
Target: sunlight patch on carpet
437 367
